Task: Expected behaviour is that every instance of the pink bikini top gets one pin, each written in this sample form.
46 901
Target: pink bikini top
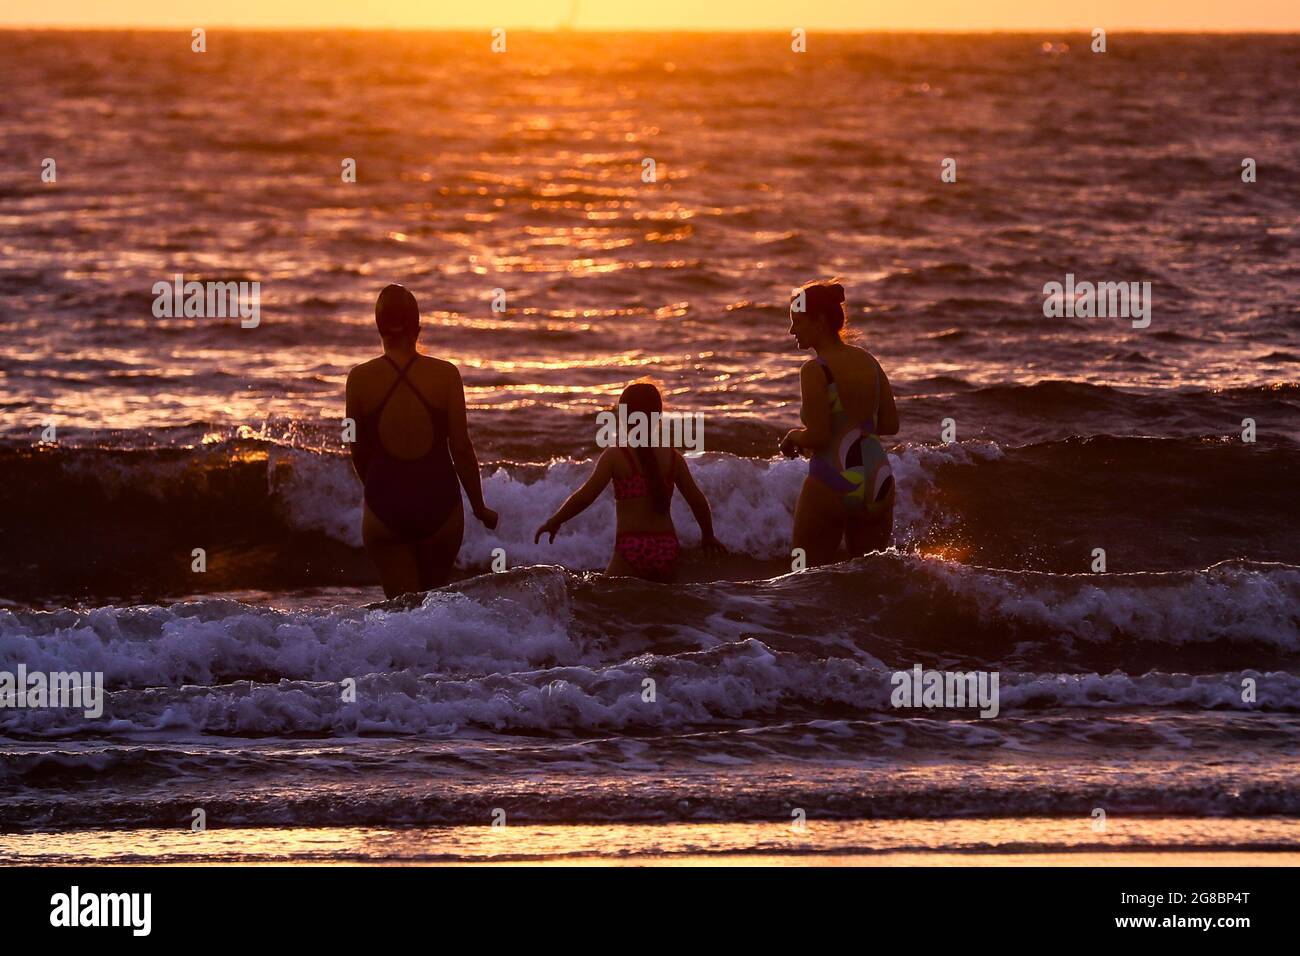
635 485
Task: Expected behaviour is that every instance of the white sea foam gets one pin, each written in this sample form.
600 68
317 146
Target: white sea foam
1227 602
545 616
450 632
752 502
744 681
542 649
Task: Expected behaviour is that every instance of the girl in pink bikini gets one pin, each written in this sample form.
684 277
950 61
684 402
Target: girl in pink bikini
645 542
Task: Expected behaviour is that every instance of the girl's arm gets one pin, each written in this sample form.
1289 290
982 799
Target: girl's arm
815 413
582 499
685 482
462 452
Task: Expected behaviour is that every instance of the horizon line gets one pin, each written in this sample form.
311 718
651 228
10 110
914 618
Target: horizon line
340 28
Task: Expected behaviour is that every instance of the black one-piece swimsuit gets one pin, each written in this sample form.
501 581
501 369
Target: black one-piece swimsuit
411 496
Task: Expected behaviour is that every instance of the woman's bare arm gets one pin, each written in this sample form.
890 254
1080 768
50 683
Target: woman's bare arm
358 450
815 412
463 454
887 419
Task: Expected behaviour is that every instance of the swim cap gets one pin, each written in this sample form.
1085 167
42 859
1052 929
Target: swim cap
396 311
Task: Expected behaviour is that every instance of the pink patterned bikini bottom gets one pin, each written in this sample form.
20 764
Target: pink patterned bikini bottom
650 554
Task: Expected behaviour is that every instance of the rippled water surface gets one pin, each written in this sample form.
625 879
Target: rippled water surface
523 691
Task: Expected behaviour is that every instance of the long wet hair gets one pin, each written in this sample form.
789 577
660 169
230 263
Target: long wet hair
645 398
824 301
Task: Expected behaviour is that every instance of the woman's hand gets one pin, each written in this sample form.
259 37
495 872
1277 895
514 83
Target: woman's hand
712 545
789 447
551 527
487 516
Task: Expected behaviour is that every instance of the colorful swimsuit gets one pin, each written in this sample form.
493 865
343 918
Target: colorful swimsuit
854 461
650 554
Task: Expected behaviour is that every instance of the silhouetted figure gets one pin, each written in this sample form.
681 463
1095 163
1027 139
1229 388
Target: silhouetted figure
413 453
645 540
847 405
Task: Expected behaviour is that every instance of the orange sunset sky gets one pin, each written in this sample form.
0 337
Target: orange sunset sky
1185 15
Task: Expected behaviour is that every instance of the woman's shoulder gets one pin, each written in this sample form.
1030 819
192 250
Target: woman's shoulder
614 460
620 458
864 360
435 377
440 368
363 372
434 361
813 368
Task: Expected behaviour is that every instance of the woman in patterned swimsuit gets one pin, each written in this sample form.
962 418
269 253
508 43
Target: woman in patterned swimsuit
847 405
645 541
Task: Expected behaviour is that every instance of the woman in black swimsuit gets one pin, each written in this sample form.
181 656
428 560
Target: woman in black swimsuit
413 453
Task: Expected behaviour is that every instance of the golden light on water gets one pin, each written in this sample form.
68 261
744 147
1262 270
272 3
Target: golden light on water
946 552
997 841
679 14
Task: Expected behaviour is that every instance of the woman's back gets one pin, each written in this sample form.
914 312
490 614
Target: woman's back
856 379
408 411
632 493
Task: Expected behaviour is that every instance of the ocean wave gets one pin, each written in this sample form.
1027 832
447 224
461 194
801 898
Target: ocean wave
745 683
374 783
249 493
542 649
275 516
